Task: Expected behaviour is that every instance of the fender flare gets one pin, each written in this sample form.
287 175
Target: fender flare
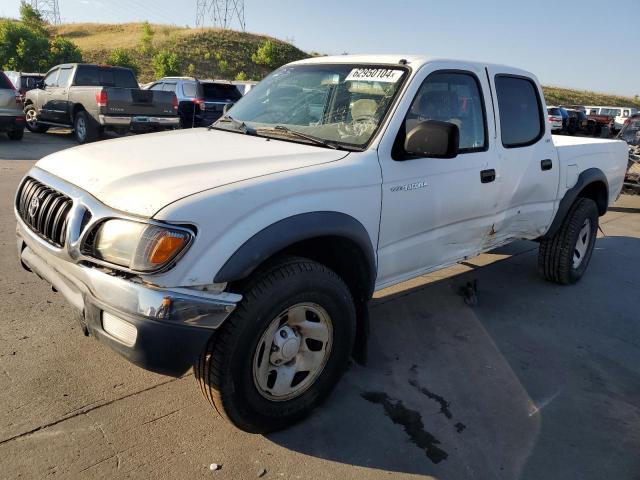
590 175
291 230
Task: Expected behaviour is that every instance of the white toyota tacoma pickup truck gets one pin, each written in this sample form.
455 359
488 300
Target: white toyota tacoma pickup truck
250 250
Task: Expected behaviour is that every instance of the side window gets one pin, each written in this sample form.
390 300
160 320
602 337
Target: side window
63 78
169 87
521 119
453 97
189 90
156 86
50 79
625 113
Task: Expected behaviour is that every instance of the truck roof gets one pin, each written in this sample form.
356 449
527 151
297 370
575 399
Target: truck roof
413 60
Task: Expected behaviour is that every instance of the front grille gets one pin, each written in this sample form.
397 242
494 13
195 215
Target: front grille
44 209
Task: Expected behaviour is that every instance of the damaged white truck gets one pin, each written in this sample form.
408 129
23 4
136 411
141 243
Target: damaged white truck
250 250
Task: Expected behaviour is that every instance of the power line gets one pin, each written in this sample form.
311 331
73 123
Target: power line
223 13
48 10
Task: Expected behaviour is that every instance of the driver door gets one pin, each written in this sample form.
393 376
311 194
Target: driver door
44 96
438 211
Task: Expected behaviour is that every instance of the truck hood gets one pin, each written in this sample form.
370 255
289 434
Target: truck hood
142 174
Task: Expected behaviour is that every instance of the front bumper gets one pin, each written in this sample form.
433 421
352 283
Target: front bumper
172 325
139 120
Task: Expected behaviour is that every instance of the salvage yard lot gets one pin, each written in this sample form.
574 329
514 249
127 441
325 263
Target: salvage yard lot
535 381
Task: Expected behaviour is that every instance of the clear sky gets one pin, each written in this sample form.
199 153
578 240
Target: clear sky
584 44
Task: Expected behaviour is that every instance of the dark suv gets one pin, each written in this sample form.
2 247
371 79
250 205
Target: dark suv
200 102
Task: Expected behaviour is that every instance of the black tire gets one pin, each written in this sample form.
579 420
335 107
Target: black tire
225 370
34 126
85 128
16 134
556 254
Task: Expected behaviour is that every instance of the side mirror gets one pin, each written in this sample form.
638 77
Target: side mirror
40 84
433 139
226 108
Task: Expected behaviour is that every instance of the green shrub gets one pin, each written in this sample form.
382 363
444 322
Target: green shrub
165 64
121 58
241 76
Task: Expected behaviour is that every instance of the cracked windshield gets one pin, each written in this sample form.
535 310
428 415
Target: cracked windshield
337 105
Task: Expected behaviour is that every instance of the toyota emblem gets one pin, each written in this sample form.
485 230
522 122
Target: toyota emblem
33 207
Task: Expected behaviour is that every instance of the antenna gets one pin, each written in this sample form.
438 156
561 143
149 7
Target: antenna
48 10
223 13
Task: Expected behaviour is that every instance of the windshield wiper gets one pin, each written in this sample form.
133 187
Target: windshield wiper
287 131
241 126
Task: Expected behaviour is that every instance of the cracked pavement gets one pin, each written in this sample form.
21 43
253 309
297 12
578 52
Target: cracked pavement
535 381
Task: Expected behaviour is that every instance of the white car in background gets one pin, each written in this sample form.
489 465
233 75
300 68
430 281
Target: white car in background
555 118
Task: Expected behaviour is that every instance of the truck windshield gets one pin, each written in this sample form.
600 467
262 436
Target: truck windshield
339 104
98 76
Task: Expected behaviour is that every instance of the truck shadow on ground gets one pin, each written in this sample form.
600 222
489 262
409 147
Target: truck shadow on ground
509 388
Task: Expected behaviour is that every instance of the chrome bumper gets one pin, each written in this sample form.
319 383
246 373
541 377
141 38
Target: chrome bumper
80 285
115 121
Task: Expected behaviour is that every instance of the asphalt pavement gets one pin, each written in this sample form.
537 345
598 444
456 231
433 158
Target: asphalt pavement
535 381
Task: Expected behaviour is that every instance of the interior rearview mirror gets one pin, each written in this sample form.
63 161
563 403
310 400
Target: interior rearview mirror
433 139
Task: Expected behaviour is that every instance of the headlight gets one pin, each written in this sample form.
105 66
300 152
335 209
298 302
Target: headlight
137 246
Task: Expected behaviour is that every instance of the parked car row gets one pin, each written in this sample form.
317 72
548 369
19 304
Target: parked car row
91 99
569 120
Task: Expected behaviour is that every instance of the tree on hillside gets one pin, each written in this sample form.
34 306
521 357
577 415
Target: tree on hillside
121 58
274 54
147 37
32 19
22 48
64 51
165 64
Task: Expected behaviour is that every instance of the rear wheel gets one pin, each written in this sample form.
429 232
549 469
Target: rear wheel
85 129
32 124
284 348
16 134
564 257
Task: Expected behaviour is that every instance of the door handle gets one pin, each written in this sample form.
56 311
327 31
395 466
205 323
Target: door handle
487 176
546 164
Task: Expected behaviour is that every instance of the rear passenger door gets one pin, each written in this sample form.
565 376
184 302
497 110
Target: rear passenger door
529 169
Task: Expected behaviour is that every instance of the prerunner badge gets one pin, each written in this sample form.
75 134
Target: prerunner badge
374 75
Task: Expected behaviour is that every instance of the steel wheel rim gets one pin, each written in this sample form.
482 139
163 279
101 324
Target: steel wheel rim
31 118
285 366
582 244
81 128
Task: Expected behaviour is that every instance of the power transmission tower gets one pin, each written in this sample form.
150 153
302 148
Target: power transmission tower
223 13
48 10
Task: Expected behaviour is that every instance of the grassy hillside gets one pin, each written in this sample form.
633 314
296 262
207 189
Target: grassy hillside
206 53
565 96
215 53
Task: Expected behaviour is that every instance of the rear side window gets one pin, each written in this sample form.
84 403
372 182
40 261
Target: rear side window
63 78
521 119
189 90
4 82
218 91
95 76
169 87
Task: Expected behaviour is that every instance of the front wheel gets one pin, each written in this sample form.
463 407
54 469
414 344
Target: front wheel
564 257
31 116
284 348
